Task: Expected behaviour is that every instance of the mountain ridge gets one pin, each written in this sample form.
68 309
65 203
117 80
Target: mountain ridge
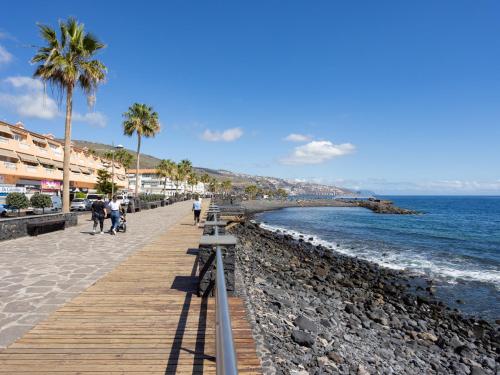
239 180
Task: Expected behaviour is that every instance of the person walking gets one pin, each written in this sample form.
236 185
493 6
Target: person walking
114 207
98 214
197 210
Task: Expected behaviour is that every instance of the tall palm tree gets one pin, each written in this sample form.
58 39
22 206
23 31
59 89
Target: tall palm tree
166 169
142 120
65 63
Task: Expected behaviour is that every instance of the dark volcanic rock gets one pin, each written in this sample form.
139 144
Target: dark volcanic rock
321 312
302 338
305 324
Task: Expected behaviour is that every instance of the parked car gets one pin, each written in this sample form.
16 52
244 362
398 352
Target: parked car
4 209
80 204
56 203
91 197
56 206
123 200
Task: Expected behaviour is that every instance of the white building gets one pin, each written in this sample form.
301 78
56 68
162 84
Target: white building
151 183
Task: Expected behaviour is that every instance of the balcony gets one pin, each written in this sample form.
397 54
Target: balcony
10 165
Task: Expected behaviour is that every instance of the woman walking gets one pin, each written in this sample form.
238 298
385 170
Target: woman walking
197 210
114 206
98 214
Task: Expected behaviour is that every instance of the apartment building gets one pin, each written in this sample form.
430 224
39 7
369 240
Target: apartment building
151 183
35 162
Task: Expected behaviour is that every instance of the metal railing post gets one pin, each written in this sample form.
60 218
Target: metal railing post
226 355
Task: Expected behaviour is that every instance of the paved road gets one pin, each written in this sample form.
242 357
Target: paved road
39 274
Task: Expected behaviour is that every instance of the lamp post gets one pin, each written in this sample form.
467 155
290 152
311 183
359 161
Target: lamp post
119 147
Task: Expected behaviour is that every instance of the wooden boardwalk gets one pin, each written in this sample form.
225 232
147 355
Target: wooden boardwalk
141 318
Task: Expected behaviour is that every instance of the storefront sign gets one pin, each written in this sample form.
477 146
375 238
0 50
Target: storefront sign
12 189
50 185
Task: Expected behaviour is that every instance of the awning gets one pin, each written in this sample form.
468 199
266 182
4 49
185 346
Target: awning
121 178
39 140
54 142
58 164
84 170
5 129
27 157
8 153
74 168
46 161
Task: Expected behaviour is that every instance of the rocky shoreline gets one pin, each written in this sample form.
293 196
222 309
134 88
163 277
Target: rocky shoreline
319 312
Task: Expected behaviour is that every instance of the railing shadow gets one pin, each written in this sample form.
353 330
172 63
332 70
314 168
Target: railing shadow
188 284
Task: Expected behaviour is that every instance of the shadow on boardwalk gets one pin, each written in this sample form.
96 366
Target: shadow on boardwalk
188 284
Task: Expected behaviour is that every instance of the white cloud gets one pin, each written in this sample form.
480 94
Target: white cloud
5 56
317 152
28 99
92 118
294 137
227 135
25 82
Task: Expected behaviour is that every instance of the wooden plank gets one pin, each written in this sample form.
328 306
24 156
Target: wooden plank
142 318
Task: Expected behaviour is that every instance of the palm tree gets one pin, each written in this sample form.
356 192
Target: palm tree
226 186
142 120
121 156
184 168
124 158
166 169
213 185
205 178
193 180
65 63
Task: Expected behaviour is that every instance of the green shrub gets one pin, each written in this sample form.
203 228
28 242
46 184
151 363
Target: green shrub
17 201
41 201
151 197
80 195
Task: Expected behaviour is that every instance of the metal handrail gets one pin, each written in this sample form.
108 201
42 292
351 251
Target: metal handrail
226 355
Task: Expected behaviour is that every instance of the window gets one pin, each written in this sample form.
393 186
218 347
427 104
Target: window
4 137
55 148
19 138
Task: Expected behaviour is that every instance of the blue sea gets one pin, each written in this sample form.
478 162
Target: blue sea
455 242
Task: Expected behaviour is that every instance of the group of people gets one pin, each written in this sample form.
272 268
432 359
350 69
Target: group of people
116 210
99 213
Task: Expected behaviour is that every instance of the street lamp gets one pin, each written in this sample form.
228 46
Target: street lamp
119 147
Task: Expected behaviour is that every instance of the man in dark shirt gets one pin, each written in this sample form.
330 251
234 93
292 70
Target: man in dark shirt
98 214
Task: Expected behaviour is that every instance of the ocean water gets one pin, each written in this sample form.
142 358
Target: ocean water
456 242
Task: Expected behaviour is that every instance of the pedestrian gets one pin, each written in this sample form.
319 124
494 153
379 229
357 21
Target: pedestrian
197 210
114 207
98 214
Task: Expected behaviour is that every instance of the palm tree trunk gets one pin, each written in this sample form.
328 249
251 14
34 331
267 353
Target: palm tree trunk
165 187
137 164
67 148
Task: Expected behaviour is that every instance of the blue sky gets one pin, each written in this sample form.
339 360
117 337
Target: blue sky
392 96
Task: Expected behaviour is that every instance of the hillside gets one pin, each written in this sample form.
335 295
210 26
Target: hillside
239 180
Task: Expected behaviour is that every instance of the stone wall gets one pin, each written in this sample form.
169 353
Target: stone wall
207 269
16 227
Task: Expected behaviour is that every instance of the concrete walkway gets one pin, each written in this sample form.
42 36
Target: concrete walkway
39 274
